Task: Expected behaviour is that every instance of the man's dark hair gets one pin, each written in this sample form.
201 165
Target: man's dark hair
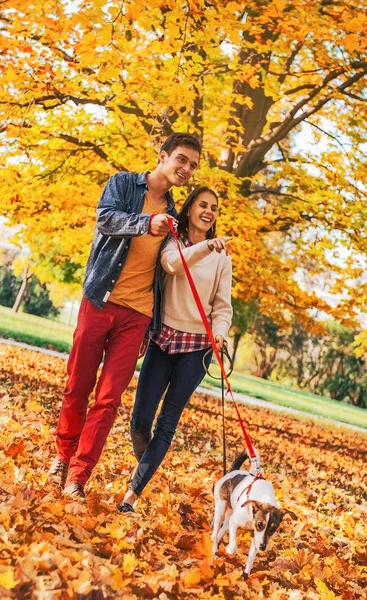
181 139
183 219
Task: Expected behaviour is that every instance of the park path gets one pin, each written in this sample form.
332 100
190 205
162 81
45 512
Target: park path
210 391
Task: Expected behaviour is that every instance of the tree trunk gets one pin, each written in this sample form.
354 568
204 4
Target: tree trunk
236 341
266 365
26 277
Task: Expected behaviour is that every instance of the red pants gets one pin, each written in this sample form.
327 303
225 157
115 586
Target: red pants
118 332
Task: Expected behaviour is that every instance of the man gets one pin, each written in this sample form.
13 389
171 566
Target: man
117 305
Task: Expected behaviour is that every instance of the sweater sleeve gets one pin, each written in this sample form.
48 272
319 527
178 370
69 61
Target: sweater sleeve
171 259
222 307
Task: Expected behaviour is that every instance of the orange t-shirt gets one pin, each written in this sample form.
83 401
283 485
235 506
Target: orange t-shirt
134 287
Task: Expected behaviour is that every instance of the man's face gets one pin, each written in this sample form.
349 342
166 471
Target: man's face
179 166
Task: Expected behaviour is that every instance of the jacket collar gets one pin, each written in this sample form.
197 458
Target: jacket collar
142 180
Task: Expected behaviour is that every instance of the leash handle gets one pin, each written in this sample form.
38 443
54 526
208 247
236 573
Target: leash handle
226 354
212 341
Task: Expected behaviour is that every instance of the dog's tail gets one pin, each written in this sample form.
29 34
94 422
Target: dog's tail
238 462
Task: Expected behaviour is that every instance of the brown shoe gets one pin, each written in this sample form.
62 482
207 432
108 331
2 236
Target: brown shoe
75 490
58 471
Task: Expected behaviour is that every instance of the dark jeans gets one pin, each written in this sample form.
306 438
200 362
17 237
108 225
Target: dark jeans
180 374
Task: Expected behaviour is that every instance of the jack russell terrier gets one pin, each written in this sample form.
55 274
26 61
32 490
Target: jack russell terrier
245 499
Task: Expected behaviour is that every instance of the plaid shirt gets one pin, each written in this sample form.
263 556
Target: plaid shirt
179 341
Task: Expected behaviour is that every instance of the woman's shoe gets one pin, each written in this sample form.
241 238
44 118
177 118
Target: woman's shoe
125 507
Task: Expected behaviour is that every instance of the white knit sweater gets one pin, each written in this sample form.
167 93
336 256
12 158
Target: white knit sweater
212 274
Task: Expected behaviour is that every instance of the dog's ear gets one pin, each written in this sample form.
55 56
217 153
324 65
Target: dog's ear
286 512
255 503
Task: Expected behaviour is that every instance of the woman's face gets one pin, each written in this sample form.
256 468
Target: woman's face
203 212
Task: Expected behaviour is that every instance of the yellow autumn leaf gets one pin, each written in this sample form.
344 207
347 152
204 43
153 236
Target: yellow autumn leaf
117 581
204 546
206 569
35 406
130 563
7 580
325 592
222 580
192 578
352 42
105 34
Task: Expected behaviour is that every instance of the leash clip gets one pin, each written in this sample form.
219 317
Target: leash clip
173 225
256 464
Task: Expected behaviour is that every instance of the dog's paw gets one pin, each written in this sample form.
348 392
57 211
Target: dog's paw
245 575
231 549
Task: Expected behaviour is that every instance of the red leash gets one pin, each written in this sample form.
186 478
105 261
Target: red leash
214 345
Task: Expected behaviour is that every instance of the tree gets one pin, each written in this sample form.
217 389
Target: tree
22 288
269 339
244 314
325 363
37 300
9 283
90 88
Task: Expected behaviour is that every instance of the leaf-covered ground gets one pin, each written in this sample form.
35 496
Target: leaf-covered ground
52 548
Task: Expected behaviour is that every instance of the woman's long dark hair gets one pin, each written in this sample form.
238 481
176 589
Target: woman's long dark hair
183 219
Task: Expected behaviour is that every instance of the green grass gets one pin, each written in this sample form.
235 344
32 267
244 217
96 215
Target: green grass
35 330
286 396
50 334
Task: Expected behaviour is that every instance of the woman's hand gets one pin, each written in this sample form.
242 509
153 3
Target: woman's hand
220 342
219 244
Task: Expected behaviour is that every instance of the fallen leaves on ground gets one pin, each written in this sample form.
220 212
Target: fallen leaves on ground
52 548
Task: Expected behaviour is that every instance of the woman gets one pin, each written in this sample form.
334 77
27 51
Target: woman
175 354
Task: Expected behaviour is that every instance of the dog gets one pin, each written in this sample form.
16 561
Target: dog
245 499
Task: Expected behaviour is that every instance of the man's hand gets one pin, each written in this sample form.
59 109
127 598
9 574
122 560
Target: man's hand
159 225
143 347
219 244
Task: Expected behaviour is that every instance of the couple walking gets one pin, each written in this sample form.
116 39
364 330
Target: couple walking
134 288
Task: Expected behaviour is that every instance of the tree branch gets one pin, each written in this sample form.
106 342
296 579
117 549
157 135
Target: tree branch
263 144
44 175
326 133
184 39
63 98
289 62
355 96
274 192
96 149
305 86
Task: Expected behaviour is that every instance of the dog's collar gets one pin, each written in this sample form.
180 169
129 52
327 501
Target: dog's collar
247 489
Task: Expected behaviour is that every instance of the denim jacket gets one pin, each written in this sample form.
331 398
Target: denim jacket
119 218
